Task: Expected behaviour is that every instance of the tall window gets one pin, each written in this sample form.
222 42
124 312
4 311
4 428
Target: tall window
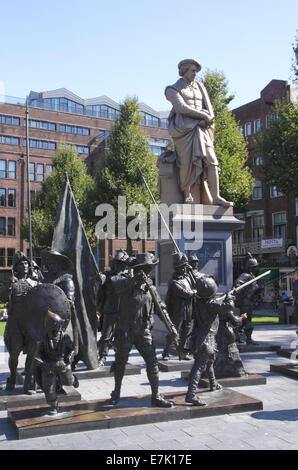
238 237
11 226
39 174
31 171
11 198
12 169
247 129
10 254
257 125
257 191
279 224
2 168
2 257
2 226
257 227
49 169
2 197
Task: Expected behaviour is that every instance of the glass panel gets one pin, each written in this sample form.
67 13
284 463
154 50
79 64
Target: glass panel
11 226
2 197
2 168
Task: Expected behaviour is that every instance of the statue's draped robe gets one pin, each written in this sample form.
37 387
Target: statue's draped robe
193 142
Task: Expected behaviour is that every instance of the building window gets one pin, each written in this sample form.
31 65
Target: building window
47 126
11 226
2 226
274 192
257 126
39 173
279 224
297 206
49 169
41 144
11 120
257 161
258 227
149 120
12 169
11 198
74 129
240 129
10 255
270 118
31 171
2 257
2 168
2 197
82 149
247 129
238 237
9 140
257 191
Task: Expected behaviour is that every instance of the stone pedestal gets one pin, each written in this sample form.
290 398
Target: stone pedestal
206 231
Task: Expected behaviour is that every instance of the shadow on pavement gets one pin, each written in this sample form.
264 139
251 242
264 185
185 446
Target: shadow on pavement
279 415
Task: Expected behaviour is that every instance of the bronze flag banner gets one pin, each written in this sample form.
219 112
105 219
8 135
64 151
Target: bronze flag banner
70 239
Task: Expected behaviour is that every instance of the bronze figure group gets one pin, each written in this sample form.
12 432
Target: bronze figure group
41 322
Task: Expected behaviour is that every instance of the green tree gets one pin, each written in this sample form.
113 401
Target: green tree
118 175
278 147
295 60
236 181
45 204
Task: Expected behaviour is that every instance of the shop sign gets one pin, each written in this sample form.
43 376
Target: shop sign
272 243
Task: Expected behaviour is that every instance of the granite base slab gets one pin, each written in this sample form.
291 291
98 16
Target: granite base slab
17 398
290 369
173 365
289 353
34 421
245 380
260 347
82 372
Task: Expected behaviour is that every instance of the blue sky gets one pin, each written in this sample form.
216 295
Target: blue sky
128 48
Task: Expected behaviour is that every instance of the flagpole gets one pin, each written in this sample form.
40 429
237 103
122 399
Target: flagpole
28 183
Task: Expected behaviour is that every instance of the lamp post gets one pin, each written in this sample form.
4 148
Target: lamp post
28 183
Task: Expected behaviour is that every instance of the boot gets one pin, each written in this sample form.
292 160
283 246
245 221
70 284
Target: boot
194 399
102 361
160 401
115 397
214 385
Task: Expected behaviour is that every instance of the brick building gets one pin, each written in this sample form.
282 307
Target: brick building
55 117
271 221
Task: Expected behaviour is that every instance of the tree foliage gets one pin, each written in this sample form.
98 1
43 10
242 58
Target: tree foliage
236 181
128 149
278 147
45 204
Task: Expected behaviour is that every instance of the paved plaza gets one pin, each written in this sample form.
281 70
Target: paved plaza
273 428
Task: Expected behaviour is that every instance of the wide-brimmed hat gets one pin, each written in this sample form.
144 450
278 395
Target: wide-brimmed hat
180 259
61 258
143 259
190 61
18 257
